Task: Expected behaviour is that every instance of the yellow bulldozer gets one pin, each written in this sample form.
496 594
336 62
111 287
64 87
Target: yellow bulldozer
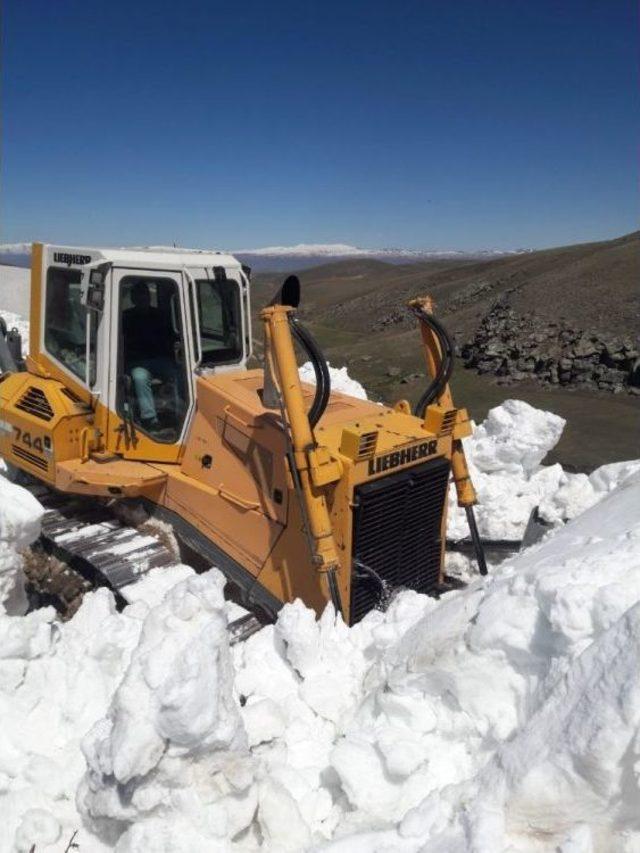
136 388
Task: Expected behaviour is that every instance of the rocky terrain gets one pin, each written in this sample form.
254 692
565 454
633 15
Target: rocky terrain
565 317
554 352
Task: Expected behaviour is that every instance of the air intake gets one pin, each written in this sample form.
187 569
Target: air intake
367 445
397 536
30 458
35 403
69 393
358 444
448 422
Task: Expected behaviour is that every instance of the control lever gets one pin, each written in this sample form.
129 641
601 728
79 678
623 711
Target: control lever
128 426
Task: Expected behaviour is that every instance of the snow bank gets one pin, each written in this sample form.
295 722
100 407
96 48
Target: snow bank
20 515
14 292
173 737
340 380
505 454
505 716
539 693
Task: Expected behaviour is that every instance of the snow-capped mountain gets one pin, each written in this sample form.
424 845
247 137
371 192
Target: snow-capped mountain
15 254
305 255
299 256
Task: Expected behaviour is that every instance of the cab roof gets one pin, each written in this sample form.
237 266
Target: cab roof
165 257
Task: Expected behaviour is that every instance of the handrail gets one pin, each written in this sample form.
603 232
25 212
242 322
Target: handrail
236 499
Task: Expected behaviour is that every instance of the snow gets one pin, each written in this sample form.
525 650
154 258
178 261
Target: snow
340 380
19 526
345 250
501 717
307 249
505 454
14 297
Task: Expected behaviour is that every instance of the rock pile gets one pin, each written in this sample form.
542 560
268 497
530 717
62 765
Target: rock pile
554 353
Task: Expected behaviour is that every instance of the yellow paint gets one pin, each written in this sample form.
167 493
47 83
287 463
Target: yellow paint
278 337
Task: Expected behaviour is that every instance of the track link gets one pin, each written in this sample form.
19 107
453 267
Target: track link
91 546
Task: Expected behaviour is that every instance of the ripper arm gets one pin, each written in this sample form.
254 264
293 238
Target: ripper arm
437 408
312 466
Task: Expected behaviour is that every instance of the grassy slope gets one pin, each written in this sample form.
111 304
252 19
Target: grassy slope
595 286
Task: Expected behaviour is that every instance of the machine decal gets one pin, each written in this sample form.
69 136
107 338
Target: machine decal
68 258
402 457
36 442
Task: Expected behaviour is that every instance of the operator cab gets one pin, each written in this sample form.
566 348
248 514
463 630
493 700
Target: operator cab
130 329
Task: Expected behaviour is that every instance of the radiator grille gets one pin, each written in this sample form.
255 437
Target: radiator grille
31 458
34 402
397 534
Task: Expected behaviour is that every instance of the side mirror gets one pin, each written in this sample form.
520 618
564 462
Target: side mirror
93 287
289 293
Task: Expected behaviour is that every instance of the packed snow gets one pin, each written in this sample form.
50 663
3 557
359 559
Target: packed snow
504 716
14 290
340 380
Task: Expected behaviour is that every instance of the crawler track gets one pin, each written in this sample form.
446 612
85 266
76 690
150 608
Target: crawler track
89 546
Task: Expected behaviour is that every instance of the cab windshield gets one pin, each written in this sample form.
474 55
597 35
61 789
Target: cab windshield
219 320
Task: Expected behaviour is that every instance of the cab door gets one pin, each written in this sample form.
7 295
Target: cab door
151 383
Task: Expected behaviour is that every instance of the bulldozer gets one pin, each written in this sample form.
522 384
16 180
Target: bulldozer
136 389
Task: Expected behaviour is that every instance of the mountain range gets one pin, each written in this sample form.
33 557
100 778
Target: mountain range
304 255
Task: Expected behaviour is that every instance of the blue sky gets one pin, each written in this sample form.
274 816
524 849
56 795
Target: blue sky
418 124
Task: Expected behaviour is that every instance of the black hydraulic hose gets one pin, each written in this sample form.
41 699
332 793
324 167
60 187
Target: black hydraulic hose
445 369
320 368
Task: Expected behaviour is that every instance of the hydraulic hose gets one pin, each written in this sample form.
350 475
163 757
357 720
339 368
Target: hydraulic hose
445 368
320 368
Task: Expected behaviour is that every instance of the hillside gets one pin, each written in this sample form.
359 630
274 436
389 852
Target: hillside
592 284
356 309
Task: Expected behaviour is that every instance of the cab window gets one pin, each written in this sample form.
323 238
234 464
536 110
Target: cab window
154 391
66 320
220 320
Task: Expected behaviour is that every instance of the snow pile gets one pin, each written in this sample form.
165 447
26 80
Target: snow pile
14 292
173 737
19 526
523 695
55 682
505 716
340 380
505 454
